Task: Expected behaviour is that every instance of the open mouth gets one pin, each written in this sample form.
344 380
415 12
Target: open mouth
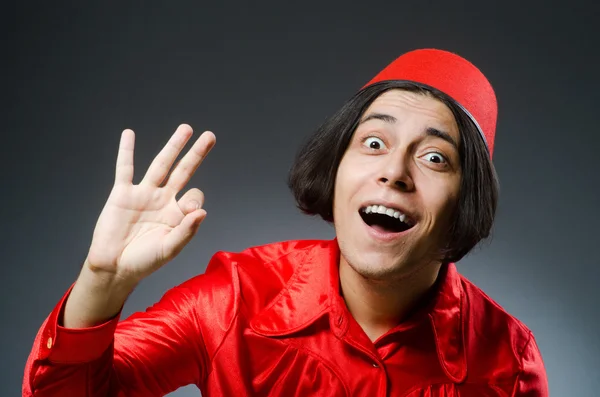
385 219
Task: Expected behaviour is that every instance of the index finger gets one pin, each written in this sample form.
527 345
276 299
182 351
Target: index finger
184 170
124 168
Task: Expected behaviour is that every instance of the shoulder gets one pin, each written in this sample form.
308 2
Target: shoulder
238 283
254 275
268 263
501 347
493 334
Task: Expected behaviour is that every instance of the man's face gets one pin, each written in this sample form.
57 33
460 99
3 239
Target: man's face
403 156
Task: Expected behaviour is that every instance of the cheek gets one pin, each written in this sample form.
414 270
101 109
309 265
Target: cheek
338 190
441 200
343 179
447 204
346 187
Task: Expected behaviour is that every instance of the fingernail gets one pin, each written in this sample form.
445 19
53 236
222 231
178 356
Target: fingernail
195 204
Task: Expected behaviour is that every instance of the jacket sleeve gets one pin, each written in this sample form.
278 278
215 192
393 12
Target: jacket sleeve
150 353
532 380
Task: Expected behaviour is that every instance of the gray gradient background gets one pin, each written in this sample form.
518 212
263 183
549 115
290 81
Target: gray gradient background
262 77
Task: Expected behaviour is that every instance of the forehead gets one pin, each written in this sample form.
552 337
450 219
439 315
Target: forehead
420 105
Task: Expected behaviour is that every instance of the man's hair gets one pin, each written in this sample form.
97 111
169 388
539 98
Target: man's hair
312 175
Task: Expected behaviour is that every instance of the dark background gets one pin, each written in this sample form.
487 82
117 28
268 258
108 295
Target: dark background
263 77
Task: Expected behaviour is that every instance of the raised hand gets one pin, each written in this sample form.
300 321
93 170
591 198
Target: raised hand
143 226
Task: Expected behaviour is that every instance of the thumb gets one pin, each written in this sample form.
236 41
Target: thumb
181 234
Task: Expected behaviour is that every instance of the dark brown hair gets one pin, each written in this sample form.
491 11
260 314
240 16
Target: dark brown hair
312 175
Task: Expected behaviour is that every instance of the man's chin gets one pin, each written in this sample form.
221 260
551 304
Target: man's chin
379 270
379 267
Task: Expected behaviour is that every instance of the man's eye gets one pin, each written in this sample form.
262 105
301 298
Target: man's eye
435 157
374 143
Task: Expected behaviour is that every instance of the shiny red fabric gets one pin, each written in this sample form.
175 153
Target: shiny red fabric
269 321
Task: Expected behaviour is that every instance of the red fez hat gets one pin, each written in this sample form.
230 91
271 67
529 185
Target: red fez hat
454 76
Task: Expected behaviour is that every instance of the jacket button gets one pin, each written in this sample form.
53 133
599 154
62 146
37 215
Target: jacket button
49 343
375 365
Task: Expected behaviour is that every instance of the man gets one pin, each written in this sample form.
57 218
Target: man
404 172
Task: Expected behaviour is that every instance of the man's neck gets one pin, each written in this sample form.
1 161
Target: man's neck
379 306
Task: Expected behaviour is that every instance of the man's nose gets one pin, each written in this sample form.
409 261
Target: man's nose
395 173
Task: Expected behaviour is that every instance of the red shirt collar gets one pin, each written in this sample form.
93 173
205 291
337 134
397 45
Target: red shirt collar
313 291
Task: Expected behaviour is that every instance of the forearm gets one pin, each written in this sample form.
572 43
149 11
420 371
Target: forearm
151 353
67 361
95 298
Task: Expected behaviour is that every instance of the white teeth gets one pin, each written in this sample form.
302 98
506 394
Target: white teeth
380 209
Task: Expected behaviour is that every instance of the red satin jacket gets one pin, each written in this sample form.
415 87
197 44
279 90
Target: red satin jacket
269 321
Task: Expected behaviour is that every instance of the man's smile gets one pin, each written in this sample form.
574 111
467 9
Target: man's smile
385 223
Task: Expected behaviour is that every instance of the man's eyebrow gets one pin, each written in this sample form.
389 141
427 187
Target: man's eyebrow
441 134
434 132
379 116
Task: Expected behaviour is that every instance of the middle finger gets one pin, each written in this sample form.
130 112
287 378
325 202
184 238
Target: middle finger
189 163
163 162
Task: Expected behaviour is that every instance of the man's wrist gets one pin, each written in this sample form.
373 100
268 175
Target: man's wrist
95 298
